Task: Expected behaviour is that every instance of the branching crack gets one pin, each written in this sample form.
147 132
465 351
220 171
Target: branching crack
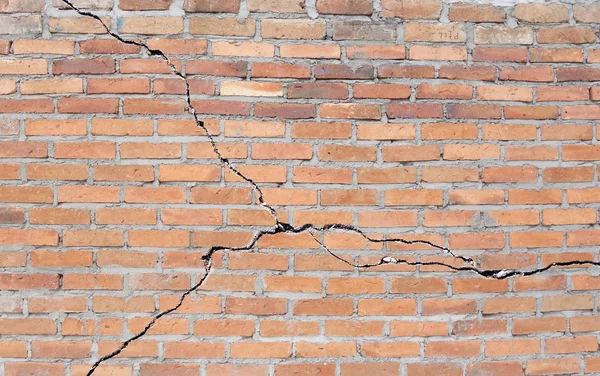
283 227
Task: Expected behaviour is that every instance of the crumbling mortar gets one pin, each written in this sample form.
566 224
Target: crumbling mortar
283 227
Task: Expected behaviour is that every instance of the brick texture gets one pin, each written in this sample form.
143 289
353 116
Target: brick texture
469 125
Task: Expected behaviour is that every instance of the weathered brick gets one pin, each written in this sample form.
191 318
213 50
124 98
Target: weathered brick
427 32
566 35
293 29
360 30
277 6
412 9
211 6
144 4
78 25
503 35
222 26
15 25
464 11
541 13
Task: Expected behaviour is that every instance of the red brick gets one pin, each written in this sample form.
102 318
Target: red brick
444 91
217 68
318 90
481 73
474 111
285 110
279 70
533 74
345 7
489 54
341 71
417 110
410 71
36 106
106 46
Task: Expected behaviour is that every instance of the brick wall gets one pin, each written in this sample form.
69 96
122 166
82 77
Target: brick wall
471 127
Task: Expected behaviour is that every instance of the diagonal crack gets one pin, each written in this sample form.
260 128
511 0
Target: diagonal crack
190 107
283 227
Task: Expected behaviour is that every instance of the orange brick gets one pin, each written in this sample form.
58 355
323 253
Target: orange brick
508 305
552 366
77 193
69 172
452 348
16 369
61 259
247 49
293 29
28 237
85 150
57 86
261 350
189 350
539 325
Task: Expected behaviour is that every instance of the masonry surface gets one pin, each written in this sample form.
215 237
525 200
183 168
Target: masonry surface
464 126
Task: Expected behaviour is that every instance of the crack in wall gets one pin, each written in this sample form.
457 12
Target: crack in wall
283 227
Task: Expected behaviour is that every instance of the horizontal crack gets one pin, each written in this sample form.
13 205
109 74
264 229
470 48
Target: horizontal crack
282 227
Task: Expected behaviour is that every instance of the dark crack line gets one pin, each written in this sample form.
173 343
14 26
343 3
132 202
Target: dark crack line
123 346
282 227
489 273
286 227
190 107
